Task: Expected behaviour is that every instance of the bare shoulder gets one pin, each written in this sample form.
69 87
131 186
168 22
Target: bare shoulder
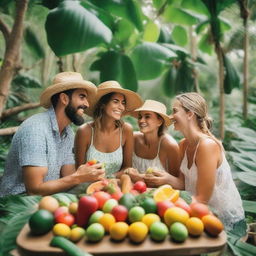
84 129
209 145
169 142
127 128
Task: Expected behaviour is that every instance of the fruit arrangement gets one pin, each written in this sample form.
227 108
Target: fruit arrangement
136 214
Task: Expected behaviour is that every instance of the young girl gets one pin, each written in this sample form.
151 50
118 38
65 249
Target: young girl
108 139
152 146
205 172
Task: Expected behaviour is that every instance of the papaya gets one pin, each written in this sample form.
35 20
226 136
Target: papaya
126 183
108 185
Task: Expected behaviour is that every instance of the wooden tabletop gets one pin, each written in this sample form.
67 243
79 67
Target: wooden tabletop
39 245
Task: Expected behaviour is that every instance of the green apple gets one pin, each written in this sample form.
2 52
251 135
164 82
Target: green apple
109 205
94 218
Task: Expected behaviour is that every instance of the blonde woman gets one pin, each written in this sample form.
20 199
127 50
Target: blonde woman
205 172
108 139
153 147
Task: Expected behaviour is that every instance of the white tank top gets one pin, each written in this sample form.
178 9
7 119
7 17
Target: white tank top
225 201
142 164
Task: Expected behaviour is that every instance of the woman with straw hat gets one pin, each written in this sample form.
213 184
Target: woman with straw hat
152 146
107 138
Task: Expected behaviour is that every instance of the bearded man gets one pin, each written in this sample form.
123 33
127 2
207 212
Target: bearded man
41 159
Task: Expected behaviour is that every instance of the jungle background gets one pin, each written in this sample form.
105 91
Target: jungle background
158 48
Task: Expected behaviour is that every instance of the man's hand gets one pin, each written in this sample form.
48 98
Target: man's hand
90 173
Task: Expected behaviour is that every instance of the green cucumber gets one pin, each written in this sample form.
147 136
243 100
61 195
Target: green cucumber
67 246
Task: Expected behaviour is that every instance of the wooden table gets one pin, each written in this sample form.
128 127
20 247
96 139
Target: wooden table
39 245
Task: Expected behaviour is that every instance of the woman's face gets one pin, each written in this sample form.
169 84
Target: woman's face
116 106
148 121
179 115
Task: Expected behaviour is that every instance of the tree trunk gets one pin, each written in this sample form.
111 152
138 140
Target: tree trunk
221 91
11 57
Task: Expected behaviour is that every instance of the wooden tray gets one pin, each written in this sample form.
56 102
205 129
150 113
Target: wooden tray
39 245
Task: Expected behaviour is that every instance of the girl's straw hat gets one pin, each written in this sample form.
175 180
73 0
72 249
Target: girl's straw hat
66 81
133 100
154 106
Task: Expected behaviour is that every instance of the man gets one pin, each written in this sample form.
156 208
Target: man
40 160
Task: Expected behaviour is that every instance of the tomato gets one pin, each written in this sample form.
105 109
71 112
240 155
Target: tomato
140 186
120 212
66 218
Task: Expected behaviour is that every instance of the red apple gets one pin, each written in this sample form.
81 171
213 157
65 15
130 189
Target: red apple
101 197
60 210
66 218
163 206
140 186
120 212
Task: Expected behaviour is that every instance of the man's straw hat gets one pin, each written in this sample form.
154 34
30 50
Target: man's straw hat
66 81
133 100
154 106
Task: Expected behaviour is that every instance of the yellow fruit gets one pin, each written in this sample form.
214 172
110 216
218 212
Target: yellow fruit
166 192
137 231
119 230
175 214
195 226
212 225
73 207
107 220
76 234
61 229
150 218
48 203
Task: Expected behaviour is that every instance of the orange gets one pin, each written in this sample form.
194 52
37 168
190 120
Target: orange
76 234
195 226
107 220
119 230
150 218
61 229
212 225
48 203
138 231
166 192
175 214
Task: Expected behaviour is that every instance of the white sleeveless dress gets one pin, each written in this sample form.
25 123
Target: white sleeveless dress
225 201
142 164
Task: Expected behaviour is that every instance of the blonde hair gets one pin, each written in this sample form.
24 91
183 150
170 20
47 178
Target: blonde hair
194 102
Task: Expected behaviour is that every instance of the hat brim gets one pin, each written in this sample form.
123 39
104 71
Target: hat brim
133 100
45 98
166 118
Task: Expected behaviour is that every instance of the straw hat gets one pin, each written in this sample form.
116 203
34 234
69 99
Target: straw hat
66 81
133 100
154 106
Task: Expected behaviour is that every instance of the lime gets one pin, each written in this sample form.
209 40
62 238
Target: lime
158 231
149 205
178 232
94 218
41 222
136 213
95 232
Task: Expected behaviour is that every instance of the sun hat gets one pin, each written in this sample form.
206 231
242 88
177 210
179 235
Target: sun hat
154 106
133 100
65 81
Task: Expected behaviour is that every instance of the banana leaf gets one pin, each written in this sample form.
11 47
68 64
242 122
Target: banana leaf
248 177
249 206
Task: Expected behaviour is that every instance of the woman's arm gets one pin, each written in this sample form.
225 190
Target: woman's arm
82 141
207 161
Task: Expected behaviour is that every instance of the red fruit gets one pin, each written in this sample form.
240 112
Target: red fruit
163 206
199 210
183 204
66 218
120 212
117 195
101 197
60 210
92 162
87 205
140 186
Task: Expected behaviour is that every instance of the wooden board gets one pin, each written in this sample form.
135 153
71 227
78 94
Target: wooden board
39 245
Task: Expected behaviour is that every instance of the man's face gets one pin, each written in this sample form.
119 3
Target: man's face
76 106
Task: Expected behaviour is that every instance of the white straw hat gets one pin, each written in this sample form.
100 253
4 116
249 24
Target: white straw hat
133 100
65 81
154 106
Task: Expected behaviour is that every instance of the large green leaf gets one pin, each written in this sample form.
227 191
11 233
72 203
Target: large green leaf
116 66
195 5
151 60
180 16
128 9
165 35
151 32
168 82
179 35
231 79
248 177
71 28
242 162
249 206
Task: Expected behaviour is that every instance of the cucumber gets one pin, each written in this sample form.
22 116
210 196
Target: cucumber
67 246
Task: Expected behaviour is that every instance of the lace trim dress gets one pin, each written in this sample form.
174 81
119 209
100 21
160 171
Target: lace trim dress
113 161
142 164
225 200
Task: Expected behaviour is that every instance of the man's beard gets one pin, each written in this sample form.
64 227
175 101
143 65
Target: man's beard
73 116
